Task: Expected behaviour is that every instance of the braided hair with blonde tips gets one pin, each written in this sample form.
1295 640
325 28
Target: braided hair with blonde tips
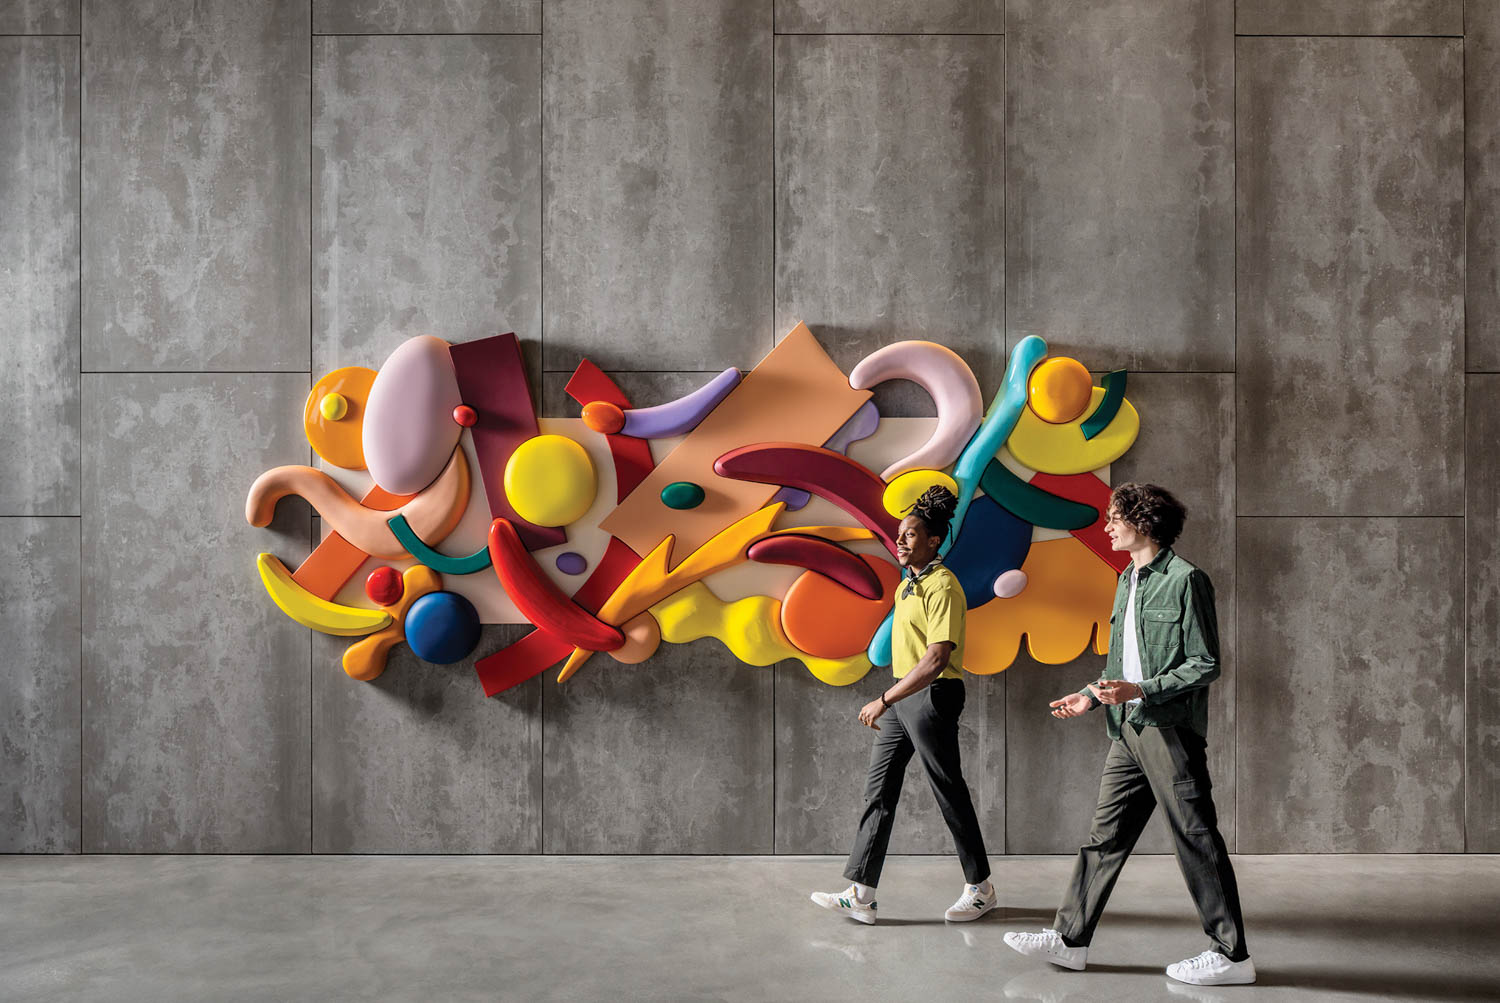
935 508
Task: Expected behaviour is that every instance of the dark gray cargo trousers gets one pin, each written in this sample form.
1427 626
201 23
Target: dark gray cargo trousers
1145 766
925 723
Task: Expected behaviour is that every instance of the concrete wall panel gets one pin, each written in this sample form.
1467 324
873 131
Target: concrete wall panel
670 756
657 154
1120 179
1349 17
195 186
39 707
427 166
1350 372
1482 691
39 369
418 761
890 194
1350 704
405 17
195 686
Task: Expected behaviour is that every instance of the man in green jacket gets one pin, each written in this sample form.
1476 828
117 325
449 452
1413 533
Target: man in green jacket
1163 653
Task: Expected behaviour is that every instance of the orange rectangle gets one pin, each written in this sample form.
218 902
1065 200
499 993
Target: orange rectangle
796 394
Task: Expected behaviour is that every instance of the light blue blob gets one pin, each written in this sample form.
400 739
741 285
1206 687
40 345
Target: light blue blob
880 645
998 423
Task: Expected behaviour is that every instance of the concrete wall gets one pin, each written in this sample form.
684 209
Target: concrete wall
1280 215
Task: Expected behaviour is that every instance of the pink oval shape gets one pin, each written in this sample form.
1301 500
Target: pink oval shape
1010 584
409 432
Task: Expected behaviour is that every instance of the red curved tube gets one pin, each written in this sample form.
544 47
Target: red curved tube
848 484
826 558
541 601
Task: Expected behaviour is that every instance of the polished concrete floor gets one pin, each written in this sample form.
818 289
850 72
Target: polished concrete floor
694 928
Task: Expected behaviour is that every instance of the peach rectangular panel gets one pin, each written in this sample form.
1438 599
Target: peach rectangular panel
796 394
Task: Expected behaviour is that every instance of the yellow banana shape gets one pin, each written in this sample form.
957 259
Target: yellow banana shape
310 611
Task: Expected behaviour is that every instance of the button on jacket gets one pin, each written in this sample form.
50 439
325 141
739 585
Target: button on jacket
1177 632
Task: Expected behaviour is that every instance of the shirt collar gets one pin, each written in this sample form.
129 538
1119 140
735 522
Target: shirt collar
906 572
1157 564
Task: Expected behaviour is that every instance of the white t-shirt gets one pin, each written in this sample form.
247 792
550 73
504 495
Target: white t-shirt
1131 661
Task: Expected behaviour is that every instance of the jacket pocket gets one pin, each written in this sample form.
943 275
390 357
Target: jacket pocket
1159 625
1195 806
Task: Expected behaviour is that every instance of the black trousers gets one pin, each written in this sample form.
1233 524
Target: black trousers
1170 766
925 723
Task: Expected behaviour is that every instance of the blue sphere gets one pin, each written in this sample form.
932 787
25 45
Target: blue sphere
442 627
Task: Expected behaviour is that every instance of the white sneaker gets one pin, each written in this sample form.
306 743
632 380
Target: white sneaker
1213 969
1048 945
973 903
848 903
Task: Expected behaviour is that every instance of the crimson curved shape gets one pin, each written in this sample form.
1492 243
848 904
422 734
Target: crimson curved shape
541 601
848 484
827 559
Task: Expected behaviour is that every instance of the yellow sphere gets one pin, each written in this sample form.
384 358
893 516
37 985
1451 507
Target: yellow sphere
333 406
908 487
550 480
1060 390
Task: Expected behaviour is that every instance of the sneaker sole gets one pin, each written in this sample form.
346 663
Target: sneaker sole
1211 981
1051 959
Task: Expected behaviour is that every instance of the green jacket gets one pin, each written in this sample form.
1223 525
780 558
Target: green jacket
1178 636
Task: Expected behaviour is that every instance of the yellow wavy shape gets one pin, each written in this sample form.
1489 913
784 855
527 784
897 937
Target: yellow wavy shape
750 628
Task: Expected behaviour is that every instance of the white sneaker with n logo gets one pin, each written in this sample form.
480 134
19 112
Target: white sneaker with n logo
848 903
975 901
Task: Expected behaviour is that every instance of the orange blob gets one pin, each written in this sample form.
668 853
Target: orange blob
1063 609
1059 390
340 441
602 416
823 618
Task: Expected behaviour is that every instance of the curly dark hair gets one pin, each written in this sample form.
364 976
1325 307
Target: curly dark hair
1150 510
934 509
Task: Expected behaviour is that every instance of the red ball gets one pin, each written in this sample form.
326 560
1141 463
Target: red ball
384 586
465 416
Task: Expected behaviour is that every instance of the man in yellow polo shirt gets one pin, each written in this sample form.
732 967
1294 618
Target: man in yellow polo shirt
927 647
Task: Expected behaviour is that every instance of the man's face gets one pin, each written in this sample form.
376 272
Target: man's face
1122 535
914 547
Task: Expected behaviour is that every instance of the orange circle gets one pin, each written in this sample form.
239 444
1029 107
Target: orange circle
602 416
823 618
1059 390
339 442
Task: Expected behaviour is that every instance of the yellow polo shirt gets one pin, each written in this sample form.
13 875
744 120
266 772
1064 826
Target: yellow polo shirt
932 610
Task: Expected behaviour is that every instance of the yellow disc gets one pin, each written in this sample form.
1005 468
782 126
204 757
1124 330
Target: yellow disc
338 438
1060 389
549 480
908 487
333 406
1062 449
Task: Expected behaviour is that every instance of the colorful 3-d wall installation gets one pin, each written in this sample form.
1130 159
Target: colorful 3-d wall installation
759 509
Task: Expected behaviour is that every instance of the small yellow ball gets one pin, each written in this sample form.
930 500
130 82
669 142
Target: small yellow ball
333 406
1060 390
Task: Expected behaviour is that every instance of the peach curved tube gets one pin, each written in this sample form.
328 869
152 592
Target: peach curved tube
432 514
944 374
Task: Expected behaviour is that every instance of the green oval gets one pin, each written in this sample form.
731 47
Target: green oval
682 495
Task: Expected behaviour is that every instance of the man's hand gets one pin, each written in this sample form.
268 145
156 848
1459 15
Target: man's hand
870 713
1072 705
1115 691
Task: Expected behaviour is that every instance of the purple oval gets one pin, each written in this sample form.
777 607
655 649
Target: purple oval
570 563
